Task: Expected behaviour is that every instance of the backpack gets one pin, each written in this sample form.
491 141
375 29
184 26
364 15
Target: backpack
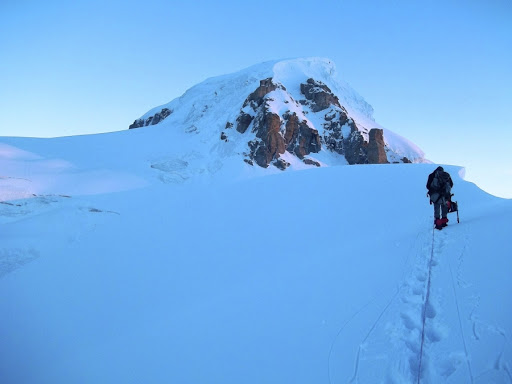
440 183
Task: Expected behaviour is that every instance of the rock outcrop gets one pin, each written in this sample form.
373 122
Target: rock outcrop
256 98
151 120
376 147
274 134
243 121
296 134
355 148
319 95
299 137
337 130
271 143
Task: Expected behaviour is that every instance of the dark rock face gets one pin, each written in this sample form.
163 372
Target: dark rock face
151 120
308 141
267 126
355 148
300 138
281 164
271 145
311 162
243 121
291 131
297 138
319 95
376 147
256 98
333 129
276 134
137 124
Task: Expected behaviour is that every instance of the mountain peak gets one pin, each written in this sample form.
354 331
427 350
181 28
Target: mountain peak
294 112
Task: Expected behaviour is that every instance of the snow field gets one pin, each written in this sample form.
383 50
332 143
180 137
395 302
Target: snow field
192 269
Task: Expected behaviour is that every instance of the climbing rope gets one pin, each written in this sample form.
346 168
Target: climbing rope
427 297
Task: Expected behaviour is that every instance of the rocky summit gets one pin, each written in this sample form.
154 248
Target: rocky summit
283 113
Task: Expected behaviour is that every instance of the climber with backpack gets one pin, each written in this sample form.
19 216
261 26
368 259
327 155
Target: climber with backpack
439 187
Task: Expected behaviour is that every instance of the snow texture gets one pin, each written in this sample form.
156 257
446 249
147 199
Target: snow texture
143 256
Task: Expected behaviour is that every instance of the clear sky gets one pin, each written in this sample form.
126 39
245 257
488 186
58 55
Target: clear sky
436 72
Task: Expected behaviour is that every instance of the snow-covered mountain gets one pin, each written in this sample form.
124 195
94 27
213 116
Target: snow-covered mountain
292 112
158 255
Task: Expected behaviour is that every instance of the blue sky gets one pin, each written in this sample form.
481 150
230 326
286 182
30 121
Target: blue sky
436 72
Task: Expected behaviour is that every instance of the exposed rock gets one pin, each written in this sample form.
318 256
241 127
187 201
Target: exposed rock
229 125
333 130
406 160
223 136
319 95
308 141
291 130
137 124
272 144
311 162
355 148
281 164
297 137
151 120
256 98
243 121
164 113
300 138
376 147
276 134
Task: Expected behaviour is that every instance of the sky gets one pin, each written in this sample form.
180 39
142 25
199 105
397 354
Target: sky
436 72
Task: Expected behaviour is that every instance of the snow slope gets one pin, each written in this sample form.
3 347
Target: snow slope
128 258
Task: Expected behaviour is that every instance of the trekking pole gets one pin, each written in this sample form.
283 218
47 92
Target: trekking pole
457 209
